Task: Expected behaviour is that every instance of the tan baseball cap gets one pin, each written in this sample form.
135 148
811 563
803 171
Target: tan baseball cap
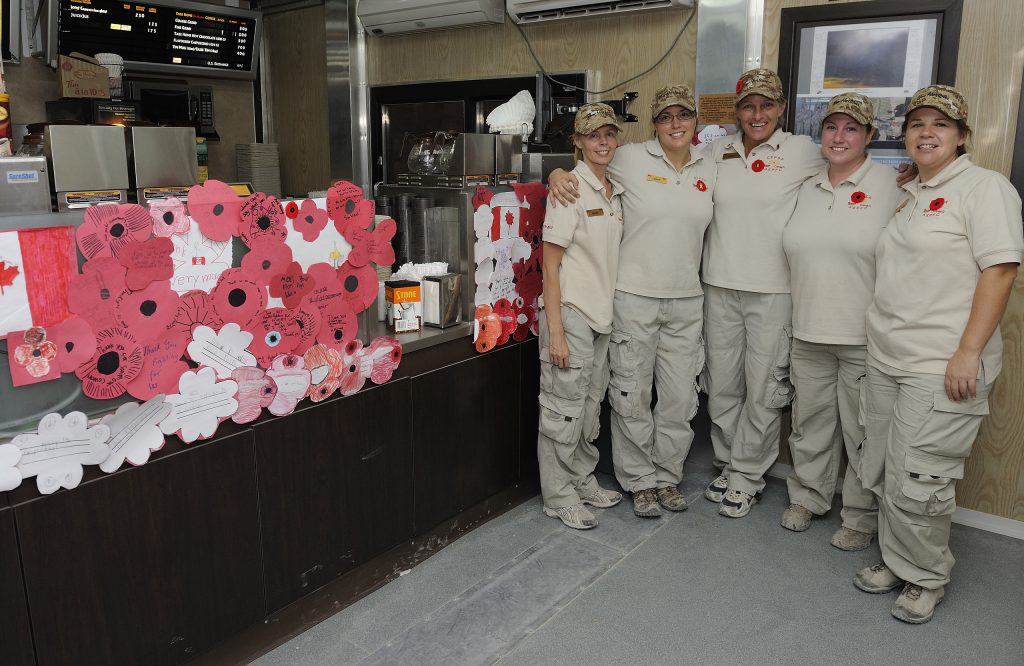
855 105
593 115
672 96
944 98
759 82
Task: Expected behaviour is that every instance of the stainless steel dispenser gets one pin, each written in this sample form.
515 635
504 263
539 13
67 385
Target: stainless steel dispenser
88 164
24 185
163 162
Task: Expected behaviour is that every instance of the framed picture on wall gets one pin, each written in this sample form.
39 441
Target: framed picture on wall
883 49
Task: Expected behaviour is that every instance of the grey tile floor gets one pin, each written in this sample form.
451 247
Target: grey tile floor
689 588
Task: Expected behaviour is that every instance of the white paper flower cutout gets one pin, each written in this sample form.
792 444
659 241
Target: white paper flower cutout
199 406
224 351
55 454
10 475
135 432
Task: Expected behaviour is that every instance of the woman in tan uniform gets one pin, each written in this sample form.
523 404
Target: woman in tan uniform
946 265
581 250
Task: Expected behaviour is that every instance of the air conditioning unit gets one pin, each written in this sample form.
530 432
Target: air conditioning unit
534 11
391 17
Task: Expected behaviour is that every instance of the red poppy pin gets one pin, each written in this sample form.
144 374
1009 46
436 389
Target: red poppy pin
858 197
701 185
936 204
757 166
291 209
739 86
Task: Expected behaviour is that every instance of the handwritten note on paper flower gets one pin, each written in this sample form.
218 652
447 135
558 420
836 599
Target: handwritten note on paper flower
199 406
292 378
147 261
134 432
117 361
10 476
291 285
55 454
224 350
198 260
162 366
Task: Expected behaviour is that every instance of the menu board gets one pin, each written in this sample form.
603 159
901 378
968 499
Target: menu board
171 36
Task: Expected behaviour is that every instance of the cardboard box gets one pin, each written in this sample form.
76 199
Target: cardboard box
82 76
402 298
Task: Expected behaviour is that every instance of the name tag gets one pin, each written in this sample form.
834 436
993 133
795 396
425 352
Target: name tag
731 156
595 212
657 179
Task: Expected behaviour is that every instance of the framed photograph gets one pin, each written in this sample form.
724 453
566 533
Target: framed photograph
884 49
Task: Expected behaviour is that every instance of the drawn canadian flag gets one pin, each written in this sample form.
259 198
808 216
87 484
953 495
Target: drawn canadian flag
36 266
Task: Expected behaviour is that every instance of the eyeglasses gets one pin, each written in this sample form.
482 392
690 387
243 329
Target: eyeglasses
666 118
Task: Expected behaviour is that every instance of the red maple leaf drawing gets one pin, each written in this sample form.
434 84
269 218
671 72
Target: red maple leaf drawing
7 276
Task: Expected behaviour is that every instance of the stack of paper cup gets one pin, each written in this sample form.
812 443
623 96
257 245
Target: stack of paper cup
115 68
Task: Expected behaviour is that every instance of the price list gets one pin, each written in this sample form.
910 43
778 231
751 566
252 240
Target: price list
156 34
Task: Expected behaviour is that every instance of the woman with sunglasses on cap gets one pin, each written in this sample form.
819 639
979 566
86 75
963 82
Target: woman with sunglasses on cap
830 245
656 335
945 268
581 256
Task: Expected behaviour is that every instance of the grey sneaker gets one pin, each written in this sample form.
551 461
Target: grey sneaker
847 539
645 503
876 580
796 518
916 604
736 504
575 516
670 498
601 498
717 489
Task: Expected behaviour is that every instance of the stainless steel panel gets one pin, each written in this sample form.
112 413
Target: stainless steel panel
721 35
535 167
506 147
162 156
24 185
87 157
347 99
473 155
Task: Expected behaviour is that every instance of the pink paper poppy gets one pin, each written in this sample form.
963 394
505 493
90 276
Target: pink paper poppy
150 311
262 217
507 319
310 220
274 332
307 318
93 294
36 352
255 392
117 361
147 261
328 287
107 229
266 258
487 328
238 297
373 245
216 209
76 343
482 197
383 356
194 310
358 285
338 325
345 204
162 366
292 378
324 365
352 377
169 217
291 285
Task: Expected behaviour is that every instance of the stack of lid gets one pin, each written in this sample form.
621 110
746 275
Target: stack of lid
258 164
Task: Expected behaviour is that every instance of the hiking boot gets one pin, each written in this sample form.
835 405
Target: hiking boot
916 604
645 503
847 539
717 489
876 580
601 498
575 516
796 518
736 504
670 498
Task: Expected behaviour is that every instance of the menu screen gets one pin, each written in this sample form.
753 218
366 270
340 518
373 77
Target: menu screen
159 35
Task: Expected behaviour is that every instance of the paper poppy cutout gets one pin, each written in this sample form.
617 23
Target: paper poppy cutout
162 366
148 312
32 358
327 289
526 316
56 452
238 297
274 332
486 328
324 365
308 319
358 285
309 220
338 325
169 217
507 317
262 217
195 309
533 199
147 261
936 204
107 229
381 358
76 343
291 210
701 185
117 361
352 377
267 257
255 392
198 261
482 197
529 281
199 406
134 432
291 285
373 245
292 378
345 204
757 166
857 197
93 294
10 477
216 209
222 350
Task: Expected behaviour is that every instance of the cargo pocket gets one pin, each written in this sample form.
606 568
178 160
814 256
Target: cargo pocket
952 426
623 396
779 390
621 354
560 419
561 382
928 487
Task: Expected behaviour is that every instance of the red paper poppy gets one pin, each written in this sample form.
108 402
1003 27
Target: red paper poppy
76 343
936 204
169 217
345 204
507 317
292 285
195 309
338 325
757 166
238 297
701 185
307 318
148 312
292 378
36 352
324 365
147 261
525 316
162 366
255 392
529 284
533 198
93 294
328 287
487 328
373 245
857 197
107 229
358 285
262 217
384 354
482 197
352 377
309 220
274 332
117 361
291 210
266 258
216 209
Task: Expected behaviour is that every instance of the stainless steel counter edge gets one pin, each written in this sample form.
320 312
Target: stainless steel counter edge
425 338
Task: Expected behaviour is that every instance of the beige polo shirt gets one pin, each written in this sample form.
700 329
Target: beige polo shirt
665 214
830 244
754 199
929 260
590 231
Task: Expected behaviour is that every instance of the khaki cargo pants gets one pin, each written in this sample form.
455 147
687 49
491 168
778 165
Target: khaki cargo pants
570 409
747 336
827 380
654 341
917 443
